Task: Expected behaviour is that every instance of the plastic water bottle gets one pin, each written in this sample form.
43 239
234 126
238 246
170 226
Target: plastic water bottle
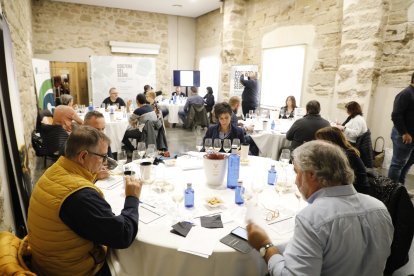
189 196
90 107
238 193
233 169
273 125
272 175
174 99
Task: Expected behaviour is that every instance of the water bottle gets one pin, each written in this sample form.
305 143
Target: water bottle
233 169
189 196
273 125
238 193
174 99
272 175
90 107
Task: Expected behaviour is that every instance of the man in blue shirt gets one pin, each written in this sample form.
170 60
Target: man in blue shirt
340 232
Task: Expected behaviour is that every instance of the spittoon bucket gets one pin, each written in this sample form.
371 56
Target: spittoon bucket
215 168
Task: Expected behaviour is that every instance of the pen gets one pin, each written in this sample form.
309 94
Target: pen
281 220
146 204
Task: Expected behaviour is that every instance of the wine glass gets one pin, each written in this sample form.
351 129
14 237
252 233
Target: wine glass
150 153
208 144
122 158
199 143
257 187
285 156
217 145
141 149
235 143
177 196
135 156
227 145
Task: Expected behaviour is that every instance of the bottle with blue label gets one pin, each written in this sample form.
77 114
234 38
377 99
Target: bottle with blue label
90 107
189 196
273 125
233 169
238 193
174 99
272 175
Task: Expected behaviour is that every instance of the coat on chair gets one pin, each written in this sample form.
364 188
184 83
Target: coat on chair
197 116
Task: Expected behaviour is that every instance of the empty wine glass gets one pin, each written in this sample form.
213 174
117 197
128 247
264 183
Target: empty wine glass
141 149
235 143
150 153
177 196
208 144
135 156
217 145
122 158
285 156
227 145
199 143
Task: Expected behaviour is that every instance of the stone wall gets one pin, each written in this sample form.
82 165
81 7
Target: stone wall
19 14
58 25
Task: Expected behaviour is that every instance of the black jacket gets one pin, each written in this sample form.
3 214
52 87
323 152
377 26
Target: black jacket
403 111
304 129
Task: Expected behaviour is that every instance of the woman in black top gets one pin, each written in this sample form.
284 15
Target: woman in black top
288 111
209 99
335 136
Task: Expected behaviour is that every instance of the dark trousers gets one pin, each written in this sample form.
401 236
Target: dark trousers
246 106
131 133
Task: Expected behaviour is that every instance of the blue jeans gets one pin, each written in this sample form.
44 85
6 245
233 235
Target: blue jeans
183 116
402 157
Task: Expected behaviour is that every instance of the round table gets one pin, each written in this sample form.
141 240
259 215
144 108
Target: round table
154 252
173 109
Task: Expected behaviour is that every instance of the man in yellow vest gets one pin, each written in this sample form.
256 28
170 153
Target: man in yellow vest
70 224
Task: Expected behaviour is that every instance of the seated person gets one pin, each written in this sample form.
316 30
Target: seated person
340 232
143 113
147 88
151 99
96 120
224 129
64 114
193 99
158 96
177 92
355 125
304 129
113 99
288 111
43 117
335 136
70 224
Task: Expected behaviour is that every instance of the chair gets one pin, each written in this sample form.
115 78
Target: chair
396 199
12 254
197 116
364 145
54 138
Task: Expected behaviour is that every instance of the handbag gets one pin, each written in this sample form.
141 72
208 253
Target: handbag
379 154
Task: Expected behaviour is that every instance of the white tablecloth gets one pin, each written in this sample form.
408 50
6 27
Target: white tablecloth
154 251
173 110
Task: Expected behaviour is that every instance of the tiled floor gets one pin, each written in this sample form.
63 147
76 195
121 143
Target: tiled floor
180 140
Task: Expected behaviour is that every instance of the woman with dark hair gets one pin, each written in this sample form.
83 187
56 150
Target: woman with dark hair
335 136
224 129
288 111
355 125
209 99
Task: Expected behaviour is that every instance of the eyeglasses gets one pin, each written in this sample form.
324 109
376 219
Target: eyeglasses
104 156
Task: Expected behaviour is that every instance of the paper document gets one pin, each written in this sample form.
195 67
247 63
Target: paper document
200 241
110 182
148 213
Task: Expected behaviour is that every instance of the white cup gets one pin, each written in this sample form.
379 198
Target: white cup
265 123
244 152
147 174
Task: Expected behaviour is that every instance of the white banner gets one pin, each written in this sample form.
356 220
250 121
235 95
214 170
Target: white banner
43 82
236 88
127 74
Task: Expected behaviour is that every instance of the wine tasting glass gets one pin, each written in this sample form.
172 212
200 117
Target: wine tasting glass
151 153
227 145
199 143
135 156
236 143
122 158
141 149
208 145
285 156
217 145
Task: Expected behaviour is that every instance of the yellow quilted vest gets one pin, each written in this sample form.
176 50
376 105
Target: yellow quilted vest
56 249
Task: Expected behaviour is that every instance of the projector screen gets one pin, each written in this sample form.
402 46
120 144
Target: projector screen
186 78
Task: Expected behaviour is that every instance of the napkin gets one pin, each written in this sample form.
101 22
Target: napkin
211 221
182 228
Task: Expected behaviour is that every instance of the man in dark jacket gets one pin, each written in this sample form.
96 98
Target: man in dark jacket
402 134
250 95
304 129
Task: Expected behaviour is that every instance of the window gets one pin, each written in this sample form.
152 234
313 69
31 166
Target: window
282 75
209 75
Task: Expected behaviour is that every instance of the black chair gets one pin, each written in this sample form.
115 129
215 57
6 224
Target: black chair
38 146
197 116
54 138
364 145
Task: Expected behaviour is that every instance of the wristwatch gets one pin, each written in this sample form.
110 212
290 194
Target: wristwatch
264 248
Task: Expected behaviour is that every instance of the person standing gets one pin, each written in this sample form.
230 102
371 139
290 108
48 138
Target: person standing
340 232
402 134
250 95
113 98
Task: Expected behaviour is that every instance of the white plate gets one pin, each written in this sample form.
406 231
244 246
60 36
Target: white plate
216 204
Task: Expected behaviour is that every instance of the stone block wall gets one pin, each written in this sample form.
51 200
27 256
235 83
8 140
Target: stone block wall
19 14
58 25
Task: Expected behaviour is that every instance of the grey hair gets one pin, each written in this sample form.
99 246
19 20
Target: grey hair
66 98
326 160
84 138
